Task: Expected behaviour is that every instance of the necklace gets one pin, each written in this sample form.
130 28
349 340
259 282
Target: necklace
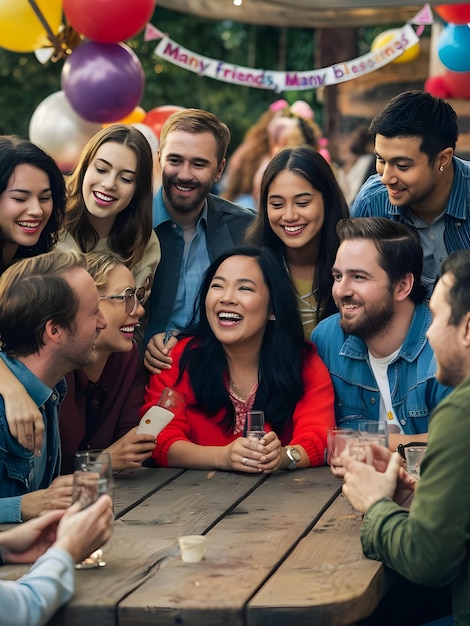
242 393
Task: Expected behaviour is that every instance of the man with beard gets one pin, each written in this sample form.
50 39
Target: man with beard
375 348
419 181
49 322
192 225
423 534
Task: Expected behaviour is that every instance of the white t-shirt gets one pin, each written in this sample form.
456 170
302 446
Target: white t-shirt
379 368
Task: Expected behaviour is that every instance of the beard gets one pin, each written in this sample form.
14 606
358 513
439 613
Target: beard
373 321
180 204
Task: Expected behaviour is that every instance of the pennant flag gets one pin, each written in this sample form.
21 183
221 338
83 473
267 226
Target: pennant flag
424 17
152 33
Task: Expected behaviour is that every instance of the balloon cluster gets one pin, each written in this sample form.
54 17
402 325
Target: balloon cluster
453 48
102 79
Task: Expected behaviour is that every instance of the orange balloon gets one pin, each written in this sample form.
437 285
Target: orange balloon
134 117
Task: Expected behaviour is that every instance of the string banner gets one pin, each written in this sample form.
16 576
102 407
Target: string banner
175 53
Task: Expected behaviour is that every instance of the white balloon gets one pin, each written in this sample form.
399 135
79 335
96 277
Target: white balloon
57 129
149 135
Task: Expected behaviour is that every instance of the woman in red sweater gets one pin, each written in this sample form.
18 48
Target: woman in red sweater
245 351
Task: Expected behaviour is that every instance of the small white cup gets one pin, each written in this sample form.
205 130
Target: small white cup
192 548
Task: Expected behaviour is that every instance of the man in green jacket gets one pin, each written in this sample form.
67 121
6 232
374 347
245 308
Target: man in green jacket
422 530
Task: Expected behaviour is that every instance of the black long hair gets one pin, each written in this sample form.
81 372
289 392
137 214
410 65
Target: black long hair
16 151
282 351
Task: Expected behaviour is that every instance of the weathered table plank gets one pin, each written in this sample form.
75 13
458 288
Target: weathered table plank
192 502
134 485
326 581
242 550
130 558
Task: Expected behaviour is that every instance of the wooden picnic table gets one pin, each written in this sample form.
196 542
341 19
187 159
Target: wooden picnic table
280 548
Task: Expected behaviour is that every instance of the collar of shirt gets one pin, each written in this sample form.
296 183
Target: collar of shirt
161 212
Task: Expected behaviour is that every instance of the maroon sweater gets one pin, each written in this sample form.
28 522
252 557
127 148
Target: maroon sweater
116 400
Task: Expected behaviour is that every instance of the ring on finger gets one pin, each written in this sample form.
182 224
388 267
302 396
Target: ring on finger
244 460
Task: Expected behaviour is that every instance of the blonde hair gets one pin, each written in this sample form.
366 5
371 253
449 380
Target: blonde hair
100 265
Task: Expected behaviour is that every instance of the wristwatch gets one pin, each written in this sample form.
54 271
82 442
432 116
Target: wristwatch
401 446
294 457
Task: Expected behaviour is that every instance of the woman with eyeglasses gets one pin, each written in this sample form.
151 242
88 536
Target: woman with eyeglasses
101 409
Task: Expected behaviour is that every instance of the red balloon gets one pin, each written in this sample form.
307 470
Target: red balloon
454 13
437 87
458 83
156 117
108 21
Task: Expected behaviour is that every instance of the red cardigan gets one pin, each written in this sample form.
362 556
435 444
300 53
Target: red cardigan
313 414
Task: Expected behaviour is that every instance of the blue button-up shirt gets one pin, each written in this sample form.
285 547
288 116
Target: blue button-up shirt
21 471
194 263
448 233
414 389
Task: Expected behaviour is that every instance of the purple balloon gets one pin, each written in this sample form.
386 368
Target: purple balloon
103 82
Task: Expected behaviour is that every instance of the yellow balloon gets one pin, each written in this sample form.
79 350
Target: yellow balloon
384 38
20 28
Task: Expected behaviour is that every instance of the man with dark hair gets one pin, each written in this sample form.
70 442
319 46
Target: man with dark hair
419 181
375 348
192 225
49 322
423 534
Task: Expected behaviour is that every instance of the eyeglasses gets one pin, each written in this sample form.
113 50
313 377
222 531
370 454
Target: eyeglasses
131 297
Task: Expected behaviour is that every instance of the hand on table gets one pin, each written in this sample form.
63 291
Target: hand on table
57 496
248 454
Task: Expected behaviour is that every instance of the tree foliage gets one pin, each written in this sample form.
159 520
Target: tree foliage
25 82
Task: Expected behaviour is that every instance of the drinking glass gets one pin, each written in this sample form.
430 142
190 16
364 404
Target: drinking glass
255 424
414 455
93 476
374 431
337 439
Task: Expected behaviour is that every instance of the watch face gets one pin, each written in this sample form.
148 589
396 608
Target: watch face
295 454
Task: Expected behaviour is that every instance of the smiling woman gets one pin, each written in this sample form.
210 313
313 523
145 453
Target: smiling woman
300 205
110 201
101 409
32 199
246 351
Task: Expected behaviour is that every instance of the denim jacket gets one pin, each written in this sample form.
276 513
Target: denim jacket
18 466
414 389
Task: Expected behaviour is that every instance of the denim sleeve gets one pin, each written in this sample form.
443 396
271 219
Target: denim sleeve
10 510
